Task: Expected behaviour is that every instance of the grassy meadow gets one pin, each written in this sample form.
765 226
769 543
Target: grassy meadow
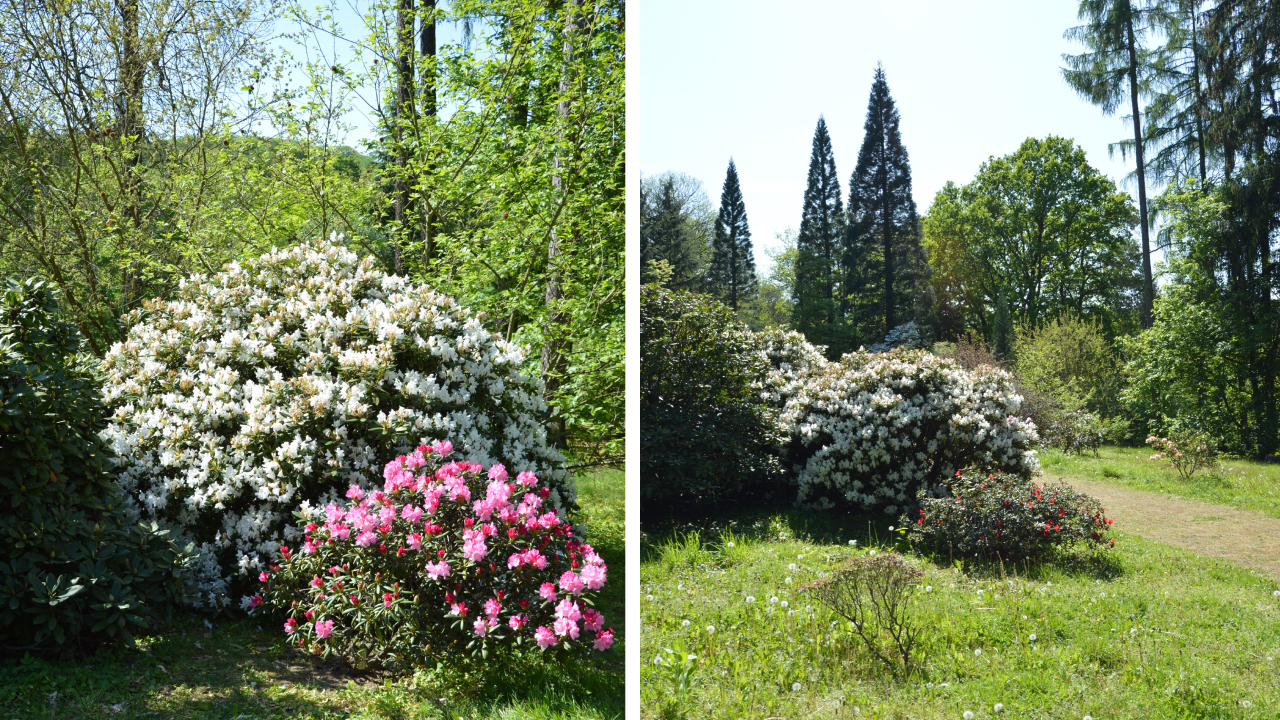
243 668
1143 630
1246 484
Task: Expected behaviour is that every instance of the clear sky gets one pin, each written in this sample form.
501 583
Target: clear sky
710 79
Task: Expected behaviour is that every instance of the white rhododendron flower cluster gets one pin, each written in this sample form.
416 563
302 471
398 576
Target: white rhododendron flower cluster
876 428
794 362
273 386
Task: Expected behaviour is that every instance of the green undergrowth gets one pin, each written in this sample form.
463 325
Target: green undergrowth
1143 630
243 668
1246 484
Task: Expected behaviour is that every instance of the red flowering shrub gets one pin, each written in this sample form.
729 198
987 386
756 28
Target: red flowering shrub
445 559
1006 515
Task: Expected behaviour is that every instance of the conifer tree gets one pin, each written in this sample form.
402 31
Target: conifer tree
732 270
886 272
818 246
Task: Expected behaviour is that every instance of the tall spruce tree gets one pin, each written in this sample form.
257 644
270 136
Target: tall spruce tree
816 311
885 270
731 274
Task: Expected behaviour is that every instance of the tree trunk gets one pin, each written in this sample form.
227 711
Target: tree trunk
553 360
403 113
427 49
1148 288
129 106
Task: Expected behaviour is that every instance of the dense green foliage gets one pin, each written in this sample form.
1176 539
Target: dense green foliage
1006 516
705 433
75 567
1071 360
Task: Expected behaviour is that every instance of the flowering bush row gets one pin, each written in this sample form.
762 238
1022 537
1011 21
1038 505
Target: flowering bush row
446 558
1005 515
875 429
276 384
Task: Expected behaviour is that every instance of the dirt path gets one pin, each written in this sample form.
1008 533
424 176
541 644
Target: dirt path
1244 538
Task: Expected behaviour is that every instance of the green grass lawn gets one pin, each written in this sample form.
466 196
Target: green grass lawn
1141 631
244 669
1244 484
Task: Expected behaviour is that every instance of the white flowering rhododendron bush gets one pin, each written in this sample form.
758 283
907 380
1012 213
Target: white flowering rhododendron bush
447 558
276 384
876 428
794 362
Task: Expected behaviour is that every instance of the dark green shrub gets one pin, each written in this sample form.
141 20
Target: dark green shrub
1006 516
74 565
705 431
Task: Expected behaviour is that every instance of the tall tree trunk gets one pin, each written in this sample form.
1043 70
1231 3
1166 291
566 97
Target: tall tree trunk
427 49
403 114
129 106
1148 288
887 228
553 345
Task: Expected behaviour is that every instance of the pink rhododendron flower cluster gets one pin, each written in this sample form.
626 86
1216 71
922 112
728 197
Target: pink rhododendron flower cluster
448 556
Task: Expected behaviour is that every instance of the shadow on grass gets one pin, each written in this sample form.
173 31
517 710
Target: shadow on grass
1095 564
682 540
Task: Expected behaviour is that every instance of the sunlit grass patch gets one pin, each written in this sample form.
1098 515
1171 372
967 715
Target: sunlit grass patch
1245 484
1113 633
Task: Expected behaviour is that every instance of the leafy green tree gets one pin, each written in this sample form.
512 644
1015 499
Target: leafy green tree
120 145
816 312
774 304
1070 360
886 271
1106 75
522 181
731 273
676 225
1042 228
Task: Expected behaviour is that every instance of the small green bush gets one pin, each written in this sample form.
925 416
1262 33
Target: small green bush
1070 360
75 568
1006 516
445 561
705 430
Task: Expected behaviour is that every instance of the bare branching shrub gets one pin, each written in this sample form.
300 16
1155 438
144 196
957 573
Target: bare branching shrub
874 593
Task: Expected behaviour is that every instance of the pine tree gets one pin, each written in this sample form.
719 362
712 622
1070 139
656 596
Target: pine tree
886 272
732 270
818 246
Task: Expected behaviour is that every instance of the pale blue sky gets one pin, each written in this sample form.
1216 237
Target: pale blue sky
748 79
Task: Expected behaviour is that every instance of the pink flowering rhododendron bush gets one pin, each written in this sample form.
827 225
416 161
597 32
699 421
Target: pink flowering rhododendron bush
275 384
447 558
876 428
